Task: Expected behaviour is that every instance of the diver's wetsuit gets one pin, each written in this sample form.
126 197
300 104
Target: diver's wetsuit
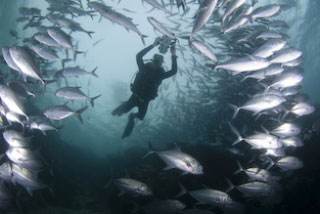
145 86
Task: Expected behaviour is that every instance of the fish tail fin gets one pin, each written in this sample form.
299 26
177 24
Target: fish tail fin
151 150
212 66
285 114
63 61
79 112
235 131
182 192
75 53
264 129
142 39
59 128
271 163
43 86
45 83
93 72
89 33
266 88
92 100
231 186
244 78
240 168
236 109
34 98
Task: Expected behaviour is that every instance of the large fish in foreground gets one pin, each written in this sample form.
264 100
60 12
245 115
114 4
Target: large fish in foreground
203 14
115 17
26 63
9 98
177 159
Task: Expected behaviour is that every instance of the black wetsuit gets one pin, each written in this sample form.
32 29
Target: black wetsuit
145 86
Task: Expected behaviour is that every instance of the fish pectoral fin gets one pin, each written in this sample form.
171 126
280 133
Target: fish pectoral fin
29 191
184 173
168 167
121 193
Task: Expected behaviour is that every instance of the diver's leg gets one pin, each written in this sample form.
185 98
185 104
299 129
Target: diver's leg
125 107
143 107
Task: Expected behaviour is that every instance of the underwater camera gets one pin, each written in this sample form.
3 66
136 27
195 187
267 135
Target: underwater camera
165 43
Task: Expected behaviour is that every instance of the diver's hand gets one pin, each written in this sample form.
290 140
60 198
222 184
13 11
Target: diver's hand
173 50
157 41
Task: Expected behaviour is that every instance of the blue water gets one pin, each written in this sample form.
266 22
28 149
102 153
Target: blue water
85 158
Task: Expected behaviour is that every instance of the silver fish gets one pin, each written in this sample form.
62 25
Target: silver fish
74 93
8 59
159 26
288 78
232 7
255 189
265 12
60 37
208 196
6 171
43 51
286 55
177 159
27 178
302 108
9 98
270 47
16 139
60 112
244 64
115 17
203 49
155 4
44 38
202 15
288 163
132 186
259 103
26 63
286 130
25 158
75 72
255 174
293 141
258 140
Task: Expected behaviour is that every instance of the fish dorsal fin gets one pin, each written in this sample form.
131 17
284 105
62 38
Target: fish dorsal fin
126 173
205 186
176 147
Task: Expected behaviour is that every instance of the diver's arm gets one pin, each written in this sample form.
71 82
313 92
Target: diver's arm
145 51
174 68
141 54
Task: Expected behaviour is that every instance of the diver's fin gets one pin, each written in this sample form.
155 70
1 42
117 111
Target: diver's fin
129 128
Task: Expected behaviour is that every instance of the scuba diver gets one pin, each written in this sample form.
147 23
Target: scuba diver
146 84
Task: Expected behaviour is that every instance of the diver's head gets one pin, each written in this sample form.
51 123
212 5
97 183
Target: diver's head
157 60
